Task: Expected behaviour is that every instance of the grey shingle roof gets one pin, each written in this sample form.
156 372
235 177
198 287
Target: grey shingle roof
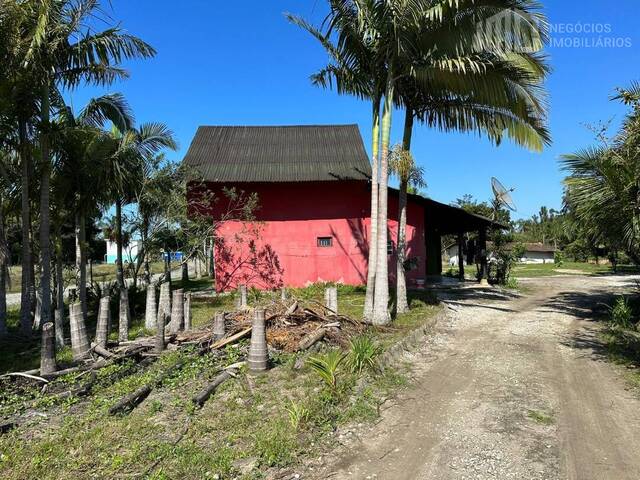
300 153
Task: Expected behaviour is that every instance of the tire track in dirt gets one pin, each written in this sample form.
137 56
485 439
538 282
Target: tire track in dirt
507 389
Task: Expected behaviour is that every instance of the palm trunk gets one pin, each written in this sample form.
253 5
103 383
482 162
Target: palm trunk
119 267
381 297
45 248
123 314
185 272
27 285
81 262
4 265
402 304
59 315
167 266
373 236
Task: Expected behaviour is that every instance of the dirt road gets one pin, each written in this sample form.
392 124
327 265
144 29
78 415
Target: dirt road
508 388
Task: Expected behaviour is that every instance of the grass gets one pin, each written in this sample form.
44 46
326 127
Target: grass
271 420
623 348
540 418
102 272
568 268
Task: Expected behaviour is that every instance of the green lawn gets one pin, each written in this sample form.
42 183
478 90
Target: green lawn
101 273
270 420
568 268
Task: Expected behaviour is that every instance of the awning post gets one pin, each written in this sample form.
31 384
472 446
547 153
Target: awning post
484 271
461 256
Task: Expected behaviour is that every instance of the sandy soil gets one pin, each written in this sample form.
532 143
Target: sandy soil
508 388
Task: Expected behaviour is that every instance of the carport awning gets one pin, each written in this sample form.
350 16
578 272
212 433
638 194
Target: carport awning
446 219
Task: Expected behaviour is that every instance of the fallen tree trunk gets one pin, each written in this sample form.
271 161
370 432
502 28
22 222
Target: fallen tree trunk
229 372
103 352
312 338
130 401
233 338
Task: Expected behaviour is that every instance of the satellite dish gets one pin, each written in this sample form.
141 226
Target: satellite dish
502 195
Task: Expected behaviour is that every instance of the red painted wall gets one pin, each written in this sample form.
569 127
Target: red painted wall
280 247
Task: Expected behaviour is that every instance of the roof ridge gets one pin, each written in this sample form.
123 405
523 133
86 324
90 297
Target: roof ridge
300 125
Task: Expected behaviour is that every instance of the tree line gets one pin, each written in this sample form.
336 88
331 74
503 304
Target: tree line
61 169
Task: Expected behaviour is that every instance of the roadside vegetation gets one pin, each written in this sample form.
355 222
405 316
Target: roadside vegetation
253 423
622 335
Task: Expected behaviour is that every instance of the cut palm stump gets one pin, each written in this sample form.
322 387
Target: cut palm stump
124 317
331 299
258 353
164 306
151 312
48 350
187 311
177 312
218 326
104 319
241 298
79 341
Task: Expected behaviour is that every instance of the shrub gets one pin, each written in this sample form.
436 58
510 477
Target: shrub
298 414
362 354
558 258
326 366
620 313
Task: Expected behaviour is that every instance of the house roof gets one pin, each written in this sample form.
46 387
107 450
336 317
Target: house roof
539 247
300 153
530 247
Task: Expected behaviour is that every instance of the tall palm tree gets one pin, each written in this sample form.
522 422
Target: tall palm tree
403 165
436 47
18 110
83 148
355 68
63 52
123 172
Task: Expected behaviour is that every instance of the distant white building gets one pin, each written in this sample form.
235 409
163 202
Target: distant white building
129 252
533 253
538 253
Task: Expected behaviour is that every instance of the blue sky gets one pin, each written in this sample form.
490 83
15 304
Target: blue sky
242 63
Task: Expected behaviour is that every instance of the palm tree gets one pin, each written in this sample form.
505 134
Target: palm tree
83 148
403 165
62 52
601 190
122 174
451 74
18 110
357 69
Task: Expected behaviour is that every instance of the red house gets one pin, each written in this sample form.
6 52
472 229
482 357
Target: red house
313 220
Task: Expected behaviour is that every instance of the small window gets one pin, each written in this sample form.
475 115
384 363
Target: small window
325 241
